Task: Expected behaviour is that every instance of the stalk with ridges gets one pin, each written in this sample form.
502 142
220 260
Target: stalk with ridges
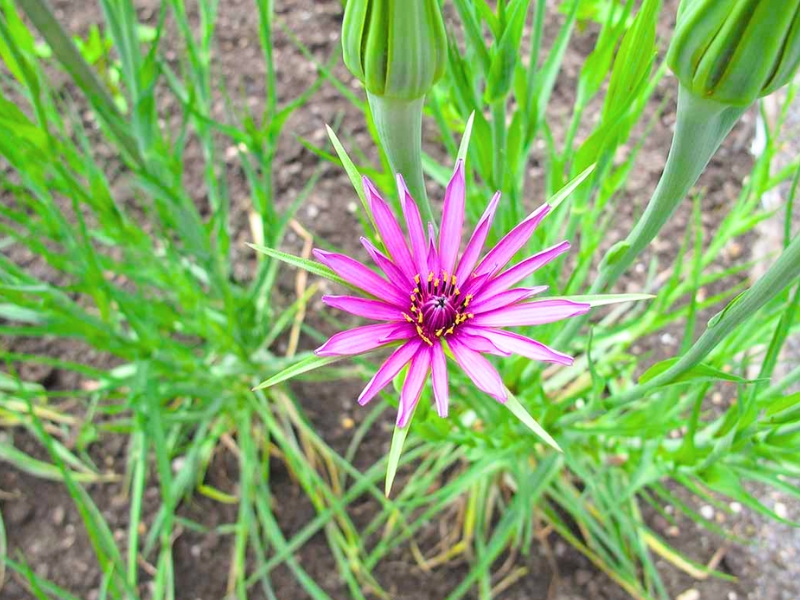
399 125
701 127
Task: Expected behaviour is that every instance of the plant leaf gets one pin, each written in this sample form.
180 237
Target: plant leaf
464 147
395 451
698 373
565 191
304 366
301 263
352 172
519 411
605 299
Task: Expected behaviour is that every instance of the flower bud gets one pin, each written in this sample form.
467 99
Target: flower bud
735 51
396 48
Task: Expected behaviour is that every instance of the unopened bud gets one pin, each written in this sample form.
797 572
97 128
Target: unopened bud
735 51
397 49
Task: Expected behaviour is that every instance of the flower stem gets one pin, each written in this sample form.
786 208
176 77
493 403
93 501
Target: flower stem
778 277
399 125
701 126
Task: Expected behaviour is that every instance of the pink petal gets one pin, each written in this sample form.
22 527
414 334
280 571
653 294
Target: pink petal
433 256
412 387
474 284
389 228
473 338
397 331
389 369
364 339
439 378
523 269
508 342
360 276
475 244
400 280
504 251
416 234
480 371
365 307
452 219
491 302
531 313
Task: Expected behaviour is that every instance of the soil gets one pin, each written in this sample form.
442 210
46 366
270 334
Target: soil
43 526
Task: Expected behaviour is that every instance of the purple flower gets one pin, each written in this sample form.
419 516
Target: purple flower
430 298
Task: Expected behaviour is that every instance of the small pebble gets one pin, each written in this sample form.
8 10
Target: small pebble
733 596
736 508
781 510
673 531
668 339
352 207
178 463
58 515
348 423
690 594
707 511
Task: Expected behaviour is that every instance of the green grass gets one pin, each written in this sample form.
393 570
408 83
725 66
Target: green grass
146 279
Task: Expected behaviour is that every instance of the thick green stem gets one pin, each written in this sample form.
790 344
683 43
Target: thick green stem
701 126
699 131
399 125
778 277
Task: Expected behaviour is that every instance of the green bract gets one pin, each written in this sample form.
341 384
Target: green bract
735 51
398 49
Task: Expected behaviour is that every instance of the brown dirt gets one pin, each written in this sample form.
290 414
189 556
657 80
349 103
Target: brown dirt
42 524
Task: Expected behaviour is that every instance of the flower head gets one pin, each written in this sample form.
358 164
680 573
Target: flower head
397 49
735 51
431 298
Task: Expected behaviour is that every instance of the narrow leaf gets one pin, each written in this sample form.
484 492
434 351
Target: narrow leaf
462 149
565 191
301 263
698 373
519 411
352 172
395 451
304 366
605 299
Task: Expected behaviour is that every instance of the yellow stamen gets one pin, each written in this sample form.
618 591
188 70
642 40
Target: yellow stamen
467 300
457 292
416 278
422 335
436 283
419 317
439 332
409 319
430 276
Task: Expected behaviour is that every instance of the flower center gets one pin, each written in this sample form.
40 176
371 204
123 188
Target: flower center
437 306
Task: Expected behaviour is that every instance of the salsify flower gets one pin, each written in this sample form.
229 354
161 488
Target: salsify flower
431 299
